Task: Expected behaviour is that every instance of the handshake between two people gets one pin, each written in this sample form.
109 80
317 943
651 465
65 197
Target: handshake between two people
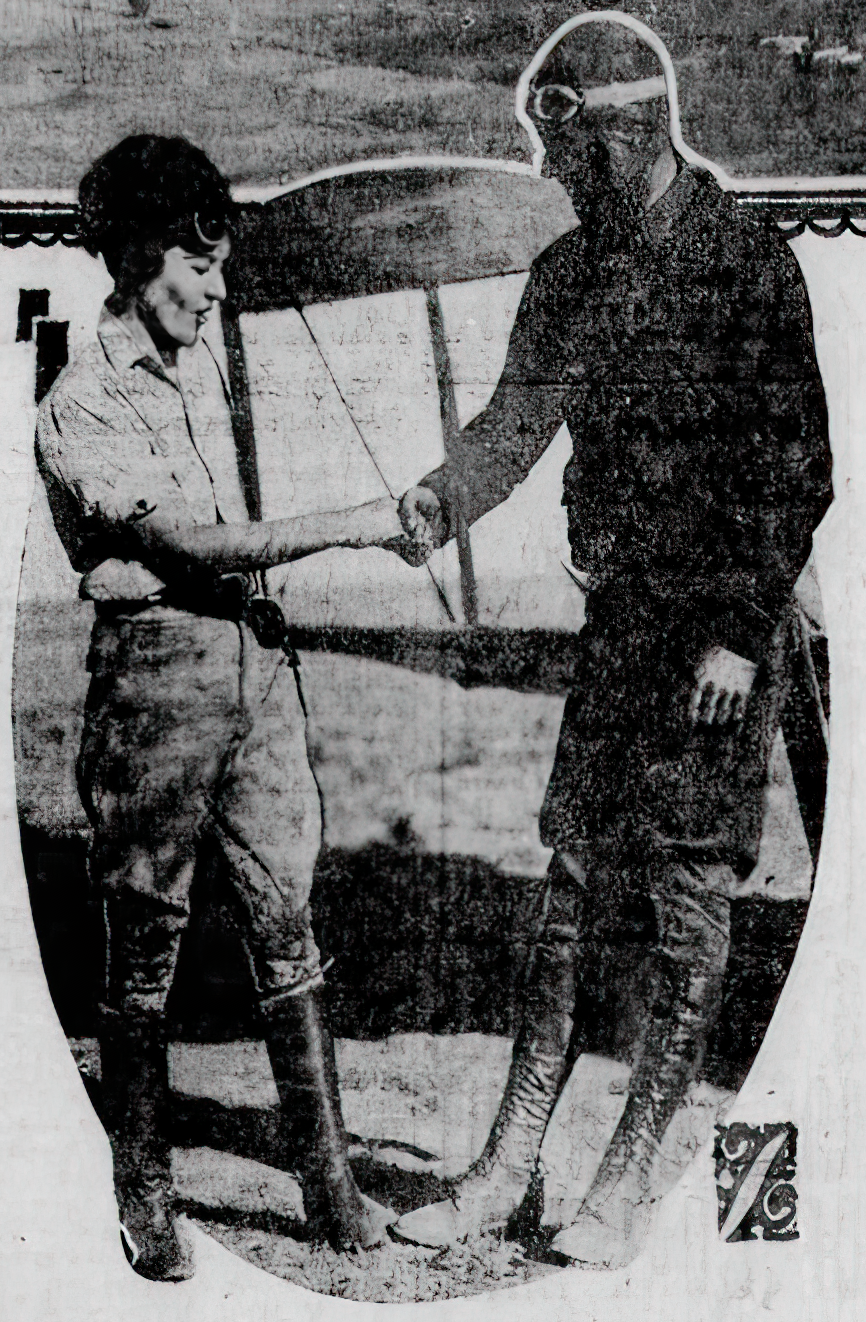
412 527
423 523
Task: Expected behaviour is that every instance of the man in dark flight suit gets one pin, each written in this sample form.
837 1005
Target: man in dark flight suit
672 333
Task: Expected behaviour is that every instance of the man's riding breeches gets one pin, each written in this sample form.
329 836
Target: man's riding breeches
193 731
633 772
691 900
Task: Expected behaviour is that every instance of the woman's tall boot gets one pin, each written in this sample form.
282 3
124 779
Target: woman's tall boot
135 1101
311 1126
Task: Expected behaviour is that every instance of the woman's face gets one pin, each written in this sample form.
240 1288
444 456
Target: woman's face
175 303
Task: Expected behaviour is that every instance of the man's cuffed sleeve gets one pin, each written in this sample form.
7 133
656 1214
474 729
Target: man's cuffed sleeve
496 452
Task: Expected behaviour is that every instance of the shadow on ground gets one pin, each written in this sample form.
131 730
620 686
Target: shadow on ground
424 994
421 943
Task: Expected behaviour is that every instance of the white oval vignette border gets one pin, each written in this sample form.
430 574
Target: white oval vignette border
61 1255
61 1248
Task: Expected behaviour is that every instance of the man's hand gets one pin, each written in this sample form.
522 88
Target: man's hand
422 518
121 580
723 684
423 527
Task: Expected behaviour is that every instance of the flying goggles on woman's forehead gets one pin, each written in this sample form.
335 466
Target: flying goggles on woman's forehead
210 227
200 230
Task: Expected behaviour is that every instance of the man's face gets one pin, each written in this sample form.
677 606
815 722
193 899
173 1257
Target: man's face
176 302
632 134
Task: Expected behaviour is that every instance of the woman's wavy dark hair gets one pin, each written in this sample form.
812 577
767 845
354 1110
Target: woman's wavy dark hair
147 195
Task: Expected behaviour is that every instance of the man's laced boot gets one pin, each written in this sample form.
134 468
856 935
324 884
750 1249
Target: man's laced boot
613 1219
492 1189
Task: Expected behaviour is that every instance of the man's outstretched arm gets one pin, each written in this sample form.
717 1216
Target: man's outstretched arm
495 452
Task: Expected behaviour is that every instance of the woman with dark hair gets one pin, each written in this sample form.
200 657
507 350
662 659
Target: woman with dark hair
147 195
194 726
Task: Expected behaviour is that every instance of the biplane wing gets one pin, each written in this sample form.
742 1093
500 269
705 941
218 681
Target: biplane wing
369 317
379 231
409 280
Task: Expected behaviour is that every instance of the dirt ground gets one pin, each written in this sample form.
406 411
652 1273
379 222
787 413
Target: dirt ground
398 1273
419 1108
275 91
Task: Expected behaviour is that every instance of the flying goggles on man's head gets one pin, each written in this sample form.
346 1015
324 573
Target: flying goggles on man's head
559 102
614 63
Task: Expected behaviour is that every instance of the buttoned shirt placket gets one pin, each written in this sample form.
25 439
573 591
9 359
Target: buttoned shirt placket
160 409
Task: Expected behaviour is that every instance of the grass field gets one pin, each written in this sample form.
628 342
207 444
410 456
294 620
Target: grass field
273 88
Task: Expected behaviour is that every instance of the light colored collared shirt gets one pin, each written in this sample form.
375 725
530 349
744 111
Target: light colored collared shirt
117 439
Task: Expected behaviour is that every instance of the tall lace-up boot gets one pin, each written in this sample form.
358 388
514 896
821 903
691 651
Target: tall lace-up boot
492 1189
694 931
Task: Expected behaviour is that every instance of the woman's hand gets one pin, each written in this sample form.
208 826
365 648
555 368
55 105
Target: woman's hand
381 520
232 548
121 580
421 524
